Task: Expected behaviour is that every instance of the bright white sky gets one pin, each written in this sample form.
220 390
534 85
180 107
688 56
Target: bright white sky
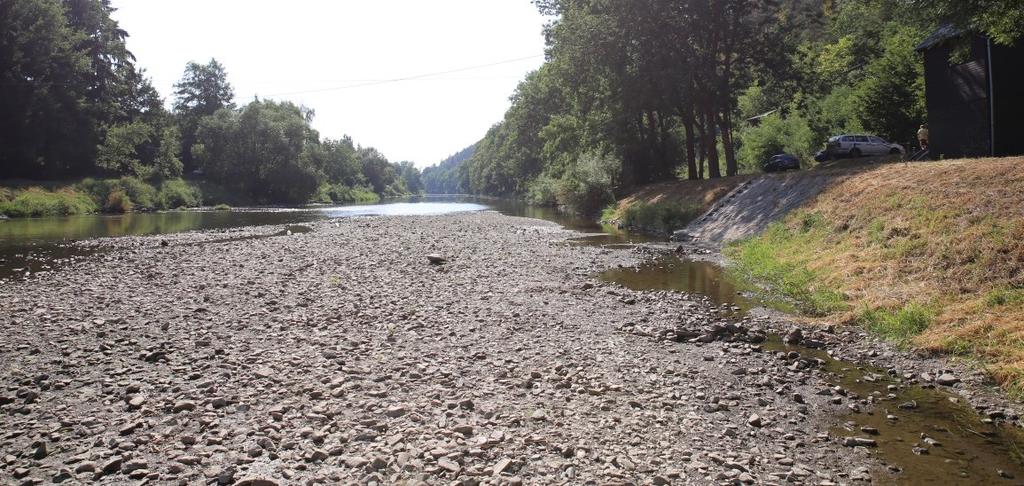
275 49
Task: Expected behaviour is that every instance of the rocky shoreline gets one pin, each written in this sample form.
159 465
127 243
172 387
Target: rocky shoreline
343 356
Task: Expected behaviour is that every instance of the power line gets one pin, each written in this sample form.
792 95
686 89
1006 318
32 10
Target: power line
407 78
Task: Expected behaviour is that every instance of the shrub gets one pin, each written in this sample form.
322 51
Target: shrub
543 191
341 194
775 135
137 191
38 202
176 193
587 187
610 213
118 202
222 207
662 217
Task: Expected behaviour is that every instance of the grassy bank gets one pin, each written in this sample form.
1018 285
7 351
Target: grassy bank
665 207
929 255
20 199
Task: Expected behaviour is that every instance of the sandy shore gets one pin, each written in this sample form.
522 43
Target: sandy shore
341 356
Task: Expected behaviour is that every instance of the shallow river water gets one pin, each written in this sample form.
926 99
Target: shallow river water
926 436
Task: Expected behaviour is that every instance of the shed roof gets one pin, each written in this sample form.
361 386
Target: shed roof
941 35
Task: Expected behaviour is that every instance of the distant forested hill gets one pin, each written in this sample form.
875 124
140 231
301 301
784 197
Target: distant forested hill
449 176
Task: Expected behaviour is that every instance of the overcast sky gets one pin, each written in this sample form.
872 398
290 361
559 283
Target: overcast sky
300 50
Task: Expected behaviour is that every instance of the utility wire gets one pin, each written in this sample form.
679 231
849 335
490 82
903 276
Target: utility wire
407 78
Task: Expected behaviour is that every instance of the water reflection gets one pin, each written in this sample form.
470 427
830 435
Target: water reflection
673 273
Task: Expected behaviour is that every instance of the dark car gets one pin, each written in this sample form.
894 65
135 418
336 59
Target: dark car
781 163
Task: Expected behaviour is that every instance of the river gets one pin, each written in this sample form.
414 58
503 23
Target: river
974 450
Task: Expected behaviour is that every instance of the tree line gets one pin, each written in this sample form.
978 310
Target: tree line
641 91
73 103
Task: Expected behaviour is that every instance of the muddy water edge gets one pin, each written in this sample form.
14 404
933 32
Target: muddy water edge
919 433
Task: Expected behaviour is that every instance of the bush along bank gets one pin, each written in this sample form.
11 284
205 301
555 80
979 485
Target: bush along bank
660 218
122 195
129 194
930 256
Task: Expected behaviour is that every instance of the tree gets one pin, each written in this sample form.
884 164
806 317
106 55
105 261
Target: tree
411 177
265 150
890 98
201 92
62 67
1003 20
378 171
140 150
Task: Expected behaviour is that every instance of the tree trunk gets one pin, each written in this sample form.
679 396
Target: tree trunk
691 156
711 146
702 136
725 124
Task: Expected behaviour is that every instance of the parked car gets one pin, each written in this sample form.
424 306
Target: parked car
861 145
780 163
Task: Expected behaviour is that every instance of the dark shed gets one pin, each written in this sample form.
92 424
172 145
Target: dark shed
976 107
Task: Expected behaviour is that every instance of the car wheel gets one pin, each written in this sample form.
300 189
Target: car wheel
894 151
855 153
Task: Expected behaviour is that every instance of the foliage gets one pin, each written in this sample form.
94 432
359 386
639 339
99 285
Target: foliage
65 75
342 194
662 217
274 165
177 193
410 177
118 202
202 91
449 176
37 202
138 149
890 99
775 135
588 186
1001 19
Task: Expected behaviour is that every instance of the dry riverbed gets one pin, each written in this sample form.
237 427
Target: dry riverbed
341 356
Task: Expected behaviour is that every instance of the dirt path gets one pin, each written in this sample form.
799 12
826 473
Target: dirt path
341 356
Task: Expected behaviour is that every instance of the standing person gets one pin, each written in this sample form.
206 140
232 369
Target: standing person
922 137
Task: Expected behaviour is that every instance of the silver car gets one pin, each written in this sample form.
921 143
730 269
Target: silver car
861 145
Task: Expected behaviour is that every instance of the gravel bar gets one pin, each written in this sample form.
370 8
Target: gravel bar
344 356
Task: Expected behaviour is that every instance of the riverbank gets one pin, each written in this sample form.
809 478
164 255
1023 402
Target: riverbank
928 255
341 356
665 207
35 199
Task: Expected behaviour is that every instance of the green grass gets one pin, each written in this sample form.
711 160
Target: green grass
222 207
775 262
94 195
898 325
37 202
610 213
663 217
1005 297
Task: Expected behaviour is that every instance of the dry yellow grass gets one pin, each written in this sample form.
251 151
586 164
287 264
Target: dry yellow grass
947 235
